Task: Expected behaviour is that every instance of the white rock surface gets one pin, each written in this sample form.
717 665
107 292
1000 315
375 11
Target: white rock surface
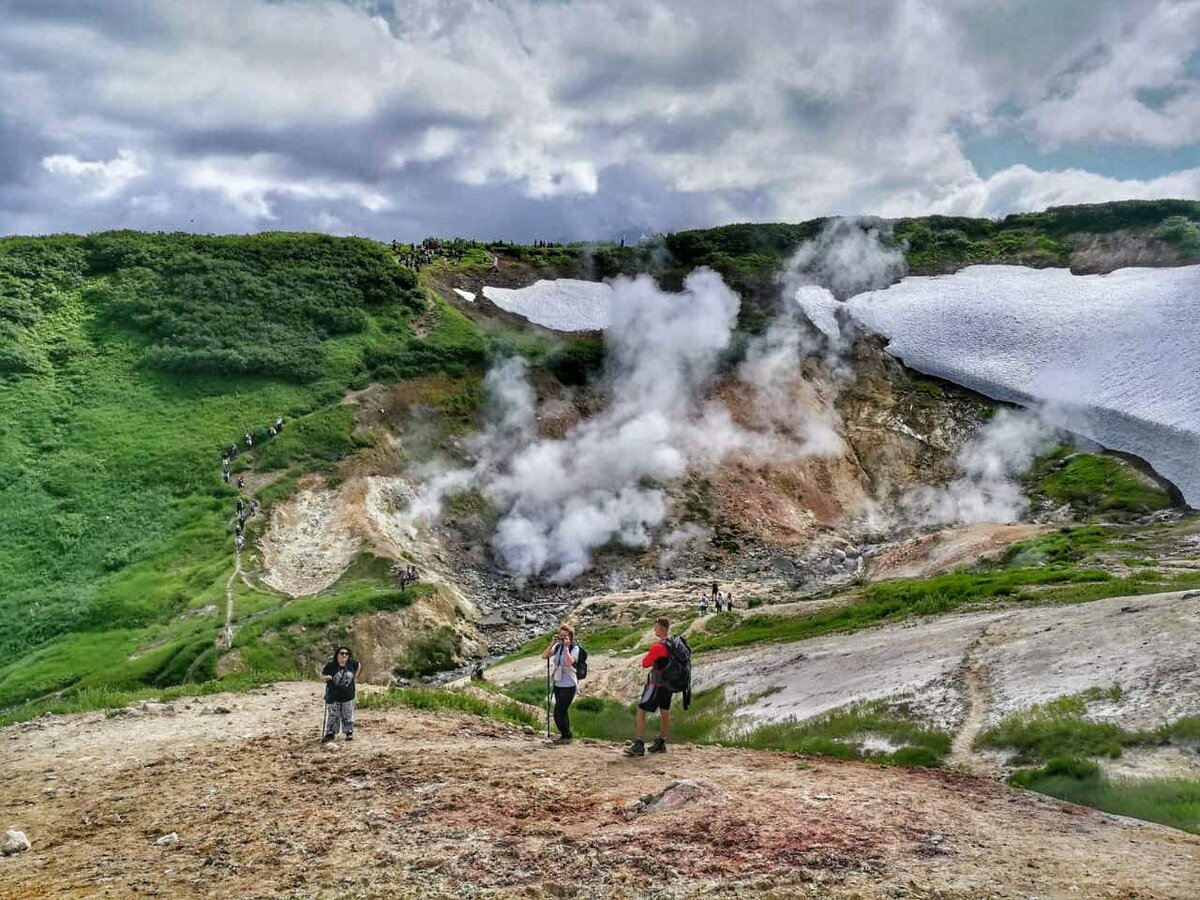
14 842
1113 357
565 304
167 840
466 295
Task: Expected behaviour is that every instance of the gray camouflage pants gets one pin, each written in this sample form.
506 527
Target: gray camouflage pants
339 716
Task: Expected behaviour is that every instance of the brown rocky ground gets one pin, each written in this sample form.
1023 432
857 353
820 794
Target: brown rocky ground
438 805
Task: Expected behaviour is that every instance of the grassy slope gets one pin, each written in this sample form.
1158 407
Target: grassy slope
114 522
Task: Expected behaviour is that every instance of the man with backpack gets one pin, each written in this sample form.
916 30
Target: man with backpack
669 660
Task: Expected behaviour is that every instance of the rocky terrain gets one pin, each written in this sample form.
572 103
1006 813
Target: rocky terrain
232 796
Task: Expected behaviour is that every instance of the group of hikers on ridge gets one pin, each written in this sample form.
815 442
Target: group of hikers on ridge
668 661
669 665
718 599
244 508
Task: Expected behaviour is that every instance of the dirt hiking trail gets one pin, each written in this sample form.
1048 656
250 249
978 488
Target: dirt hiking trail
441 805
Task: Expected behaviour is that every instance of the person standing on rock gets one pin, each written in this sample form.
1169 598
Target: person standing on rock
669 661
339 676
561 656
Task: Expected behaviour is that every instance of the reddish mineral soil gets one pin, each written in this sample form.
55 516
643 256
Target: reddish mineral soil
443 805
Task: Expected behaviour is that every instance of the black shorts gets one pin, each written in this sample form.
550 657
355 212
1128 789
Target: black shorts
654 698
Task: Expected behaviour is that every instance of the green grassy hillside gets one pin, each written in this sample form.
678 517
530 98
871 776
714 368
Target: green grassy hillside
129 362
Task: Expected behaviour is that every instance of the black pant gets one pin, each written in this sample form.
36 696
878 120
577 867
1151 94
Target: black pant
563 696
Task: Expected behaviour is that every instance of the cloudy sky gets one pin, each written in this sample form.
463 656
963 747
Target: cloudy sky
520 119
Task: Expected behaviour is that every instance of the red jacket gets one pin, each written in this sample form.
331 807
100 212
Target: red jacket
658 650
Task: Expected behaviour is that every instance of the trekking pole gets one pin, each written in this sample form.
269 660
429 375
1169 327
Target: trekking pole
547 699
324 718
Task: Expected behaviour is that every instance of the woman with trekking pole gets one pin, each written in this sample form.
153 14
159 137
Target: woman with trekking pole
560 659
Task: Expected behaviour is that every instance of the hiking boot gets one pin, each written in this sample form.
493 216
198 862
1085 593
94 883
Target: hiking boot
349 737
327 739
659 746
637 748
560 741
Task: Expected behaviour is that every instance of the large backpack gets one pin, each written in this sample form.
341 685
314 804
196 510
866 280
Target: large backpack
581 665
676 675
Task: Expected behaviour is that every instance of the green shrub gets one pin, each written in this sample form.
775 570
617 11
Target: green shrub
322 436
1169 801
430 654
437 700
1060 728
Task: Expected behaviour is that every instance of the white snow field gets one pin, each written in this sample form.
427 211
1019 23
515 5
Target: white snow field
564 304
1113 357
466 295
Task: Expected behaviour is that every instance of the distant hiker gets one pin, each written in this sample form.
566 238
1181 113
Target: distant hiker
241 521
233 451
225 476
271 431
669 660
477 672
339 675
703 604
729 600
240 525
224 463
241 482
495 264
240 506
278 424
239 541
717 603
253 505
249 441
560 659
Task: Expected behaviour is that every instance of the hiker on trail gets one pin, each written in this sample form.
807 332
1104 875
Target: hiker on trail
241 521
271 431
239 541
704 604
717 603
240 506
253 505
495 264
715 593
561 656
339 675
278 424
224 463
241 482
233 451
249 441
225 476
669 660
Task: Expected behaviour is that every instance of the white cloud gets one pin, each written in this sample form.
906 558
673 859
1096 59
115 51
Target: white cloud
249 185
1022 188
1104 99
104 178
658 113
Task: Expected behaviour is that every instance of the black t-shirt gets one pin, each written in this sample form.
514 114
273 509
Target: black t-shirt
341 688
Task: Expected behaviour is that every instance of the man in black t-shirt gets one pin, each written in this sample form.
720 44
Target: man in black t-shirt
339 676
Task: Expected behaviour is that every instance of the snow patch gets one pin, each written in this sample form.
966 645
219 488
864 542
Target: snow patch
1112 357
565 304
466 295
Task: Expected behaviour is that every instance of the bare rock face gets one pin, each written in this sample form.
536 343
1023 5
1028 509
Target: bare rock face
681 792
13 842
